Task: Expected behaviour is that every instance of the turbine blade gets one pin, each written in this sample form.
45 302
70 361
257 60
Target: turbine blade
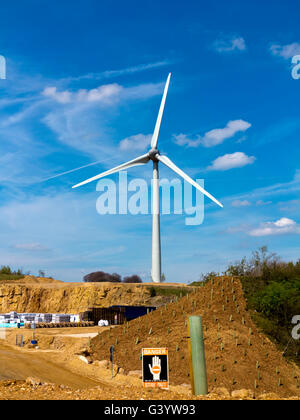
166 161
141 160
160 114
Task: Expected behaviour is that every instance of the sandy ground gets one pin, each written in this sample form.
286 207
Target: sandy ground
20 364
239 358
88 335
62 375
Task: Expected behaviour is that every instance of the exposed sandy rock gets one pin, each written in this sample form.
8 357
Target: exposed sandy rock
238 355
102 363
242 394
86 360
59 297
221 392
33 381
136 373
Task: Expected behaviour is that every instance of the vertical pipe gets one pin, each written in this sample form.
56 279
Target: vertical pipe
197 356
156 249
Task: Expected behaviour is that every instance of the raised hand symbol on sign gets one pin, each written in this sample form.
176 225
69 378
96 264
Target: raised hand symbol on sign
155 369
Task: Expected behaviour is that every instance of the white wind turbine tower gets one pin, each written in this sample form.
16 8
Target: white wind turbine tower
156 157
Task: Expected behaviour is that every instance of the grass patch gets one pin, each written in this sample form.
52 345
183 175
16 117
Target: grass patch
167 291
6 274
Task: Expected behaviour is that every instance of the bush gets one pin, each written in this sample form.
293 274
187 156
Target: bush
167 291
152 291
132 279
6 273
272 291
101 277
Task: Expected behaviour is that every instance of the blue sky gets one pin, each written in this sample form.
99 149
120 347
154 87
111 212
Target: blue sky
84 84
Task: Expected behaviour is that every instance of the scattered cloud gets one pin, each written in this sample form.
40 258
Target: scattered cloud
263 203
213 137
274 190
230 161
246 203
230 44
31 247
285 51
107 94
136 142
241 203
116 73
110 94
280 227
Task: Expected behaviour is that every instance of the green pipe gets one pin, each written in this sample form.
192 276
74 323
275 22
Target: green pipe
197 356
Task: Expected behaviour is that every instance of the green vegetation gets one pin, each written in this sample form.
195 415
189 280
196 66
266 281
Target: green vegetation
167 291
6 273
272 291
205 278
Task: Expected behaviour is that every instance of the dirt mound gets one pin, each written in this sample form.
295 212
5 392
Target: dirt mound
238 356
31 280
36 390
38 295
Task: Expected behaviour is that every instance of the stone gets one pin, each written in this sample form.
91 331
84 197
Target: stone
121 371
136 373
84 359
187 386
221 392
242 394
269 396
102 363
33 381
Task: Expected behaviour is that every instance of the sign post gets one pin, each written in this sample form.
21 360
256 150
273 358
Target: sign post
155 368
197 356
33 341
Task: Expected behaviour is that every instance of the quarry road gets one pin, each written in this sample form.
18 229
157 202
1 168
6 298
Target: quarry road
88 335
17 364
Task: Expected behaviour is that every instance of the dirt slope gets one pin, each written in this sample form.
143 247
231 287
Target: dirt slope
32 280
34 295
237 354
18 365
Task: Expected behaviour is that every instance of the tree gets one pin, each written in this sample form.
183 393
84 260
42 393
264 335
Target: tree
101 277
5 269
132 279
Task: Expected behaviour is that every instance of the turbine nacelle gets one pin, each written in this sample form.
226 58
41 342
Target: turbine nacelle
153 153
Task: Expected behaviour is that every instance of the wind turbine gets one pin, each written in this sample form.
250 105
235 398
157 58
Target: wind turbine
154 156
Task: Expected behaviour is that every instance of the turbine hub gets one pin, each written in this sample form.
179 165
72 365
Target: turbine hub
152 154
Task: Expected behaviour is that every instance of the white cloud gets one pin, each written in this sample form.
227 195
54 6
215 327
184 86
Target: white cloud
115 73
136 142
31 247
246 203
241 203
263 203
280 227
286 51
218 135
279 189
231 44
184 140
290 206
213 137
229 161
106 94
87 124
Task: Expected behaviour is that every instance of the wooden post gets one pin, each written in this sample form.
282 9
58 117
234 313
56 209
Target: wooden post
197 356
